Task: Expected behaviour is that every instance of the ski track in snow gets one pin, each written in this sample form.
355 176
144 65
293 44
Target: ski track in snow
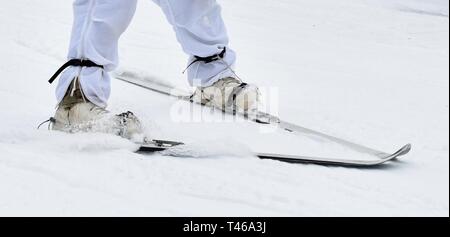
375 72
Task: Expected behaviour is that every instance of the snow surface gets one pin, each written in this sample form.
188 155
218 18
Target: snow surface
374 72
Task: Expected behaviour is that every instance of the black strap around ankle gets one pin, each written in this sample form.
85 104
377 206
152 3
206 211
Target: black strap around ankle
209 59
75 63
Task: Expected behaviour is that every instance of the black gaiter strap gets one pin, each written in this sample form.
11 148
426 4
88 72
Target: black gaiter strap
75 63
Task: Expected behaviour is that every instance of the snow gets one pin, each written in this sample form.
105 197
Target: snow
374 72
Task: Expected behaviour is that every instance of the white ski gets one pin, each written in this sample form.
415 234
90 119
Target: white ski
161 145
265 118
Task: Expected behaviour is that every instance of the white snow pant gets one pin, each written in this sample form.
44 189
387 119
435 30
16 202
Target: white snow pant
98 25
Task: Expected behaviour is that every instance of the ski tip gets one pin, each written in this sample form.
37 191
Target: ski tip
404 150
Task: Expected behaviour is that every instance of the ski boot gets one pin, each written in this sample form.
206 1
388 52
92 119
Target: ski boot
229 94
76 114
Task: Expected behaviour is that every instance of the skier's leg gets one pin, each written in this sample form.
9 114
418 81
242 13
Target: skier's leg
83 92
96 29
200 29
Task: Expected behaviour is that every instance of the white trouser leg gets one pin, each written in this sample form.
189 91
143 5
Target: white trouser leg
97 26
201 32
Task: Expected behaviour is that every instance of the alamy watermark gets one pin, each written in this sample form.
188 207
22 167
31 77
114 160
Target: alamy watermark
265 111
